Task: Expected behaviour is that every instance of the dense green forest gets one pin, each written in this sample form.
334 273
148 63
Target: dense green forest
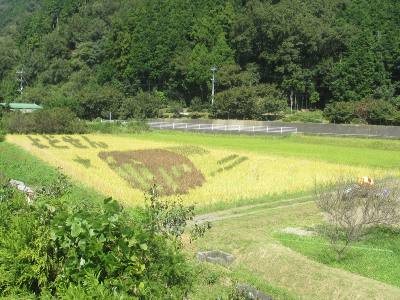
135 57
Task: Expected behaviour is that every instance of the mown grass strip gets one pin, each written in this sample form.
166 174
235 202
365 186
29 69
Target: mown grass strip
304 241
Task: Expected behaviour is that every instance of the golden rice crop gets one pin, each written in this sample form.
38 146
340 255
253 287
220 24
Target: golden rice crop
229 175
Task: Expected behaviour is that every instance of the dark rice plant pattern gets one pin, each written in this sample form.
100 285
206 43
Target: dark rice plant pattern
228 163
171 172
188 150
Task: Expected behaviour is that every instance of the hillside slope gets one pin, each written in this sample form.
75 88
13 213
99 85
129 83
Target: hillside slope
94 56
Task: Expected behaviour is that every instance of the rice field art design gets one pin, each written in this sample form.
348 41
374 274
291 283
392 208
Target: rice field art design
172 173
200 174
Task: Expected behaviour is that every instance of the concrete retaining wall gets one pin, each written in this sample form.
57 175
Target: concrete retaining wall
309 128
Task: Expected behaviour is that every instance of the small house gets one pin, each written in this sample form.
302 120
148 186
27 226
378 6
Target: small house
22 107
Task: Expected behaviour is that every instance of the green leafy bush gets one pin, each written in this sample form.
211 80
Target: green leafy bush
54 248
196 105
315 116
378 112
396 102
142 106
249 102
16 122
371 111
175 108
117 127
340 112
198 115
49 121
169 217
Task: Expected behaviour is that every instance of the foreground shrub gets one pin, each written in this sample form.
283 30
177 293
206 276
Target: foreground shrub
48 121
53 248
352 209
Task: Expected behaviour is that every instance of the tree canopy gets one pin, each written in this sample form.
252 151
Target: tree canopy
95 55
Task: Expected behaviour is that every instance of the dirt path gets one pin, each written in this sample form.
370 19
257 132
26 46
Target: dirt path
246 210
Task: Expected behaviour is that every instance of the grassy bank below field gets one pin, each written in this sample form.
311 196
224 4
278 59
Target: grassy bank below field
18 164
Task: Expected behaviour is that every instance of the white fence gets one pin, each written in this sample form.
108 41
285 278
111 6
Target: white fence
223 128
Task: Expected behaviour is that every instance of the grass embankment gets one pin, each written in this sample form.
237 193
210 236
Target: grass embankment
376 256
237 170
18 164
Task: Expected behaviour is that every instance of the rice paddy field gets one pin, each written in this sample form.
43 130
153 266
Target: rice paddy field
211 171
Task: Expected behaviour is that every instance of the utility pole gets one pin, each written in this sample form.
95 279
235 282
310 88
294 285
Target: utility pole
213 69
20 79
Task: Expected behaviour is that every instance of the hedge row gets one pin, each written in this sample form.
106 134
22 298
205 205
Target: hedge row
61 121
369 111
48 121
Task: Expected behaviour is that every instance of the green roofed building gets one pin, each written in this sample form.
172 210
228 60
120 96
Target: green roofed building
22 107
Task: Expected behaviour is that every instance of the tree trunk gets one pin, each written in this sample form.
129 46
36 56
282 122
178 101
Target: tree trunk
291 101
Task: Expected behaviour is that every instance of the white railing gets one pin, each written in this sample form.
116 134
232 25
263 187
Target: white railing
223 127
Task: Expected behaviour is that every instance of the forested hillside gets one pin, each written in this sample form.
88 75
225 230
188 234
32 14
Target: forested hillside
134 57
